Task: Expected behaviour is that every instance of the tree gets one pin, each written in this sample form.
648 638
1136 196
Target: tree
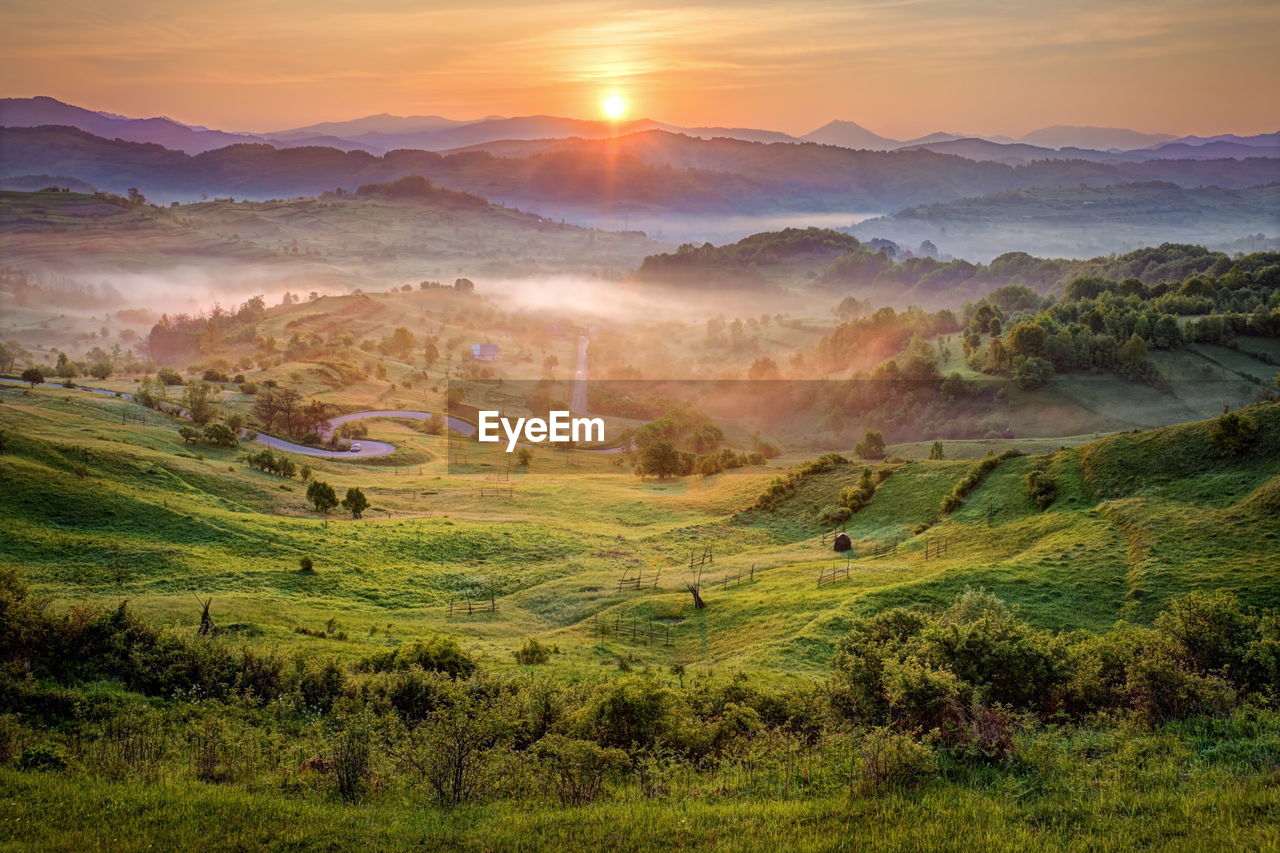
33 376
189 433
220 435
1029 373
936 452
524 456
402 342
660 459
430 354
355 501
1026 339
763 368
65 367
197 399
871 446
322 496
100 370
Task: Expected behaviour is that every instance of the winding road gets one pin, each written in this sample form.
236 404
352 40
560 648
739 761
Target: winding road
367 448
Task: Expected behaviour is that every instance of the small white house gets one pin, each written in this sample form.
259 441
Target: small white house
484 352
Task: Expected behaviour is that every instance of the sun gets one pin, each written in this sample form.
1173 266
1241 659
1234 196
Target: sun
614 106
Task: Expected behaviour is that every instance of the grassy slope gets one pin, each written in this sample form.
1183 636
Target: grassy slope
1140 517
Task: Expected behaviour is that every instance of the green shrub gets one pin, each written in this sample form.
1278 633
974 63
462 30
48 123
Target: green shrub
578 768
532 653
890 760
42 756
1234 433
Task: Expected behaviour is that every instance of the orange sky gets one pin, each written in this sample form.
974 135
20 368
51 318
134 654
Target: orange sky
899 67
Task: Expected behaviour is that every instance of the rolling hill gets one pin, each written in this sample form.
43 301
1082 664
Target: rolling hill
410 230
1076 221
652 170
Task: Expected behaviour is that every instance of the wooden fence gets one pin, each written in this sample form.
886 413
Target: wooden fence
880 549
838 573
404 493
639 582
633 629
497 491
743 576
936 549
458 608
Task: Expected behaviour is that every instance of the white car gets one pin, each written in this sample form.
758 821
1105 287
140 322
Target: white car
355 447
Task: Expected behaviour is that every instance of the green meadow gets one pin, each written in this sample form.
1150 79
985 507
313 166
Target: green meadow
102 509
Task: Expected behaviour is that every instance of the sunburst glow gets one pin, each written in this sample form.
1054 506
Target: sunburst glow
614 106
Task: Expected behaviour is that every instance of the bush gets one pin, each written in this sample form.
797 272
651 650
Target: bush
578 768
220 435
42 757
920 695
305 564
1041 487
891 760
532 653
973 478
871 446
349 756
436 654
1234 433
169 376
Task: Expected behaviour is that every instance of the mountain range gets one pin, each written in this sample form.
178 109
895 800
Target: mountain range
651 170
378 134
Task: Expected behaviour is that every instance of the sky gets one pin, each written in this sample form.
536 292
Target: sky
901 68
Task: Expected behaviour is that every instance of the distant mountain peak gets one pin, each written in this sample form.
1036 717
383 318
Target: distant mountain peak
850 134
1097 138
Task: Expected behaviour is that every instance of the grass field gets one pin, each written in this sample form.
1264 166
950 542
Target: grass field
101 509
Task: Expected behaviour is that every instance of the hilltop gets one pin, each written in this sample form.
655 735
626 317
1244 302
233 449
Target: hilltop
408 229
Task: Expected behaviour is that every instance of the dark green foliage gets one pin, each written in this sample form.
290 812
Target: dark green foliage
532 653
355 501
945 670
1041 487
33 376
973 478
786 484
660 459
1234 433
281 464
435 654
871 446
322 496
578 768
221 435
169 376
854 498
